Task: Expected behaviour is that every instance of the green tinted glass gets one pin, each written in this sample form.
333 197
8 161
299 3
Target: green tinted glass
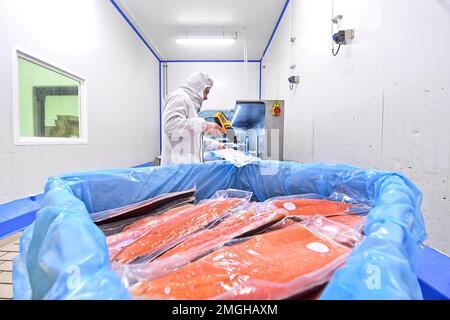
49 102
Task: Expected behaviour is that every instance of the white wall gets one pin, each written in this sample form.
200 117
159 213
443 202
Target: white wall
90 38
383 102
228 80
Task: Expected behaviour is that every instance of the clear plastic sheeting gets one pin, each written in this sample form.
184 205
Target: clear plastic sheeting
336 231
241 222
63 235
141 207
232 193
274 265
117 242
236 157
175 229
307 205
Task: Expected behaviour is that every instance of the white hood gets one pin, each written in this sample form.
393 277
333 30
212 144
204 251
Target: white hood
195 85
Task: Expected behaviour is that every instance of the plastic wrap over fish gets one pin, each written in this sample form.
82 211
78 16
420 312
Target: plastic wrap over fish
274 265
381 266
236 157
241 222
232 193
158 239
142 207
307 205
337 231
132 232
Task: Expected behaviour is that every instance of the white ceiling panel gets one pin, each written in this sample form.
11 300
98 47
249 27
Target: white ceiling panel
161 22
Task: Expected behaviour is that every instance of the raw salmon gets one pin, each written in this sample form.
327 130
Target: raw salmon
172 230
241 223
119 226
151 220
286 222
304 208
273 265
356 222
117 241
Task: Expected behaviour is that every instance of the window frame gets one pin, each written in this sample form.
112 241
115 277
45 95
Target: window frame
21 141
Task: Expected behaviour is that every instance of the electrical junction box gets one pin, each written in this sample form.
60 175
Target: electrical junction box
349 34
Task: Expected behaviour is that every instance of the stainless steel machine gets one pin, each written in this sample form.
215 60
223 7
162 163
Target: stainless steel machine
258 126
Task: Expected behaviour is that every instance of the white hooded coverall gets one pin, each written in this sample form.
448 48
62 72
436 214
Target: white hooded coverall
182 134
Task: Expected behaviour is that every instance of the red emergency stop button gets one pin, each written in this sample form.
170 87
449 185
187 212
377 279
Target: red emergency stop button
276 109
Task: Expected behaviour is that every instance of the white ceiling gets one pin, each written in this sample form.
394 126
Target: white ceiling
161 22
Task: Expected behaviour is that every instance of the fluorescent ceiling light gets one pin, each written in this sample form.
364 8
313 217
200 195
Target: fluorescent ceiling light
205 41
205 21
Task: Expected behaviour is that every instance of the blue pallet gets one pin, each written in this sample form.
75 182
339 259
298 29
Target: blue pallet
18 214
433 273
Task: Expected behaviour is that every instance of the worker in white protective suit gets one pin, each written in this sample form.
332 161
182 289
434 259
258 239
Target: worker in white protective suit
183 130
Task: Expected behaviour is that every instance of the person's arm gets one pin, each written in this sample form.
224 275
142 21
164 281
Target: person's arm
175 117
211 144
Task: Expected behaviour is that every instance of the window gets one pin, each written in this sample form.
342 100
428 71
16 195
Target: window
49 103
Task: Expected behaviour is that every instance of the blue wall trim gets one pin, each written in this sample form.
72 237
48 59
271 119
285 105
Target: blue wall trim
188 61
154 54
275 29
260 79
160 110
135 30
178 61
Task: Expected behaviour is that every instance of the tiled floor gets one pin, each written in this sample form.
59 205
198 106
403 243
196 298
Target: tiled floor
7 253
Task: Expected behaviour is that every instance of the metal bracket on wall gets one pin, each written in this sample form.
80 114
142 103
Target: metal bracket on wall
165 79
337 18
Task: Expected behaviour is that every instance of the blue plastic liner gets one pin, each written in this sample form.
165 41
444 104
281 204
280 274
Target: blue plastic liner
63 255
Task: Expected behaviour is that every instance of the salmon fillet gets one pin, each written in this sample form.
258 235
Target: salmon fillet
237 224
119 240
149 221
172 230
115 227
273 265
305 208
355 222
286 222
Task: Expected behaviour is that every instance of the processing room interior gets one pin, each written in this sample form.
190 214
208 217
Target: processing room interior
224 149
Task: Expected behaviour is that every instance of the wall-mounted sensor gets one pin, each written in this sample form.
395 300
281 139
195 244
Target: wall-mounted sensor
293 80
342 36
